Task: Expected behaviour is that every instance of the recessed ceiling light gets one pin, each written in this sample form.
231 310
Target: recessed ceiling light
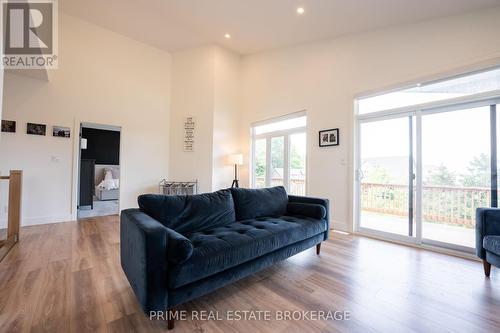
227 36
300 10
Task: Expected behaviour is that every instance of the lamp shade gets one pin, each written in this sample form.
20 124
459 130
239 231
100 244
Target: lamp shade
235 159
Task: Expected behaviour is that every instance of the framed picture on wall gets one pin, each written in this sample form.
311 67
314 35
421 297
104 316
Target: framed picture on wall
36 129
62 132
9 126
329 137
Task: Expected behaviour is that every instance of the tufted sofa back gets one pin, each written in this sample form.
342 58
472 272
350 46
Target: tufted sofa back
190 213
194 213
262 202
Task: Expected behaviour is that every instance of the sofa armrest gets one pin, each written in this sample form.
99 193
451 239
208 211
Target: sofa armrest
317 201
487 223
179 248
143 250
314 211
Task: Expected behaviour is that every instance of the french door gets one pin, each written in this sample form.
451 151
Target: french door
422 174
279 158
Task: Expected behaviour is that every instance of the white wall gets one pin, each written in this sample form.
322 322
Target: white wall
102 78
324 78
192 95
226 116
205 85
1 90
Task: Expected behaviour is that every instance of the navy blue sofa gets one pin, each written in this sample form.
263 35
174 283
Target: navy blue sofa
488 237
177 248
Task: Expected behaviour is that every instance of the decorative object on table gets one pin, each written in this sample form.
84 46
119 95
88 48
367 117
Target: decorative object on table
36 129
62 132
235 159
189 124
9 126
178 188
329 137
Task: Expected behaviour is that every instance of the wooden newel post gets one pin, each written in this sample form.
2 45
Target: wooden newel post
15 179
14 219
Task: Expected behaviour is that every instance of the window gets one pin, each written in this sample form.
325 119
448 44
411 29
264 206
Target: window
426 159
467 85
279 153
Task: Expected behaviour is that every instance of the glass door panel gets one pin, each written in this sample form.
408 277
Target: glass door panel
277 172
297 164
456 175
385 151
260 165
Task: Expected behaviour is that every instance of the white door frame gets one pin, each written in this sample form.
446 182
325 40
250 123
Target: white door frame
75 184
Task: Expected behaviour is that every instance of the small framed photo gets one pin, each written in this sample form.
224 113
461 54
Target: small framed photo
329 137
62 132
36 129
9 126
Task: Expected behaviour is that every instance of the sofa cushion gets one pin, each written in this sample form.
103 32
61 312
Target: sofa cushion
224 247
314 211
492 244
254 203
190 213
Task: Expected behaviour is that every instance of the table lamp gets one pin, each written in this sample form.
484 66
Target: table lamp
235 159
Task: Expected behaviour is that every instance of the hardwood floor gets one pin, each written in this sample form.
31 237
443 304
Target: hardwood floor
66 277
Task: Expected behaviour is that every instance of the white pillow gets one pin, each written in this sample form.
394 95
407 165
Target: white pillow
109 183
108 175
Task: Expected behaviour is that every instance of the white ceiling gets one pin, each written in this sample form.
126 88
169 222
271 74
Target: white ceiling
255 25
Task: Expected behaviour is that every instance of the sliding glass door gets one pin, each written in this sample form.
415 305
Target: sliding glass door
386 176
456 174
426 159
422 175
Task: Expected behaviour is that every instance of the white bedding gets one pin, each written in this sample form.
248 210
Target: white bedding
109 183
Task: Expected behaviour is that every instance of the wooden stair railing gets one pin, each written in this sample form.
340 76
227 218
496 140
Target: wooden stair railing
15 179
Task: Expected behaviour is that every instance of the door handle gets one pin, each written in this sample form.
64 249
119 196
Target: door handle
359 174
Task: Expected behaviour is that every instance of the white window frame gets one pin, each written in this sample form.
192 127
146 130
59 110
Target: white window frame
418 110
286 134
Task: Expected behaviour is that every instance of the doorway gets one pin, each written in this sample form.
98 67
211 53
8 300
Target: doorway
99 170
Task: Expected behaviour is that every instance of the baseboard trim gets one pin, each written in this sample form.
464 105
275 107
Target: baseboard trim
29 221
437 249
341 226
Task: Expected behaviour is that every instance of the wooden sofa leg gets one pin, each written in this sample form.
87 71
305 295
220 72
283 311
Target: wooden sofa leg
487 268
170 320
318 248
170 324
